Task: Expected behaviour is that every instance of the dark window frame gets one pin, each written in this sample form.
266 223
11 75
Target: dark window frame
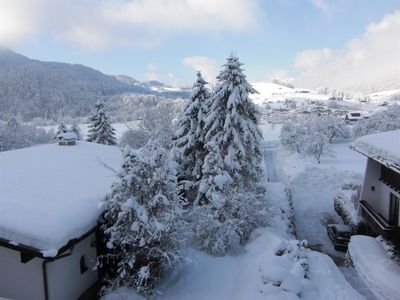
82 264
394 210
390 178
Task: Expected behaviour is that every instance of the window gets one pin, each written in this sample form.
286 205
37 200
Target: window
390 178
82 264
394 210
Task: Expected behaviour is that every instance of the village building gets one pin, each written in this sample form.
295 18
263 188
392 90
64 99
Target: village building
66 138
50 200
379 200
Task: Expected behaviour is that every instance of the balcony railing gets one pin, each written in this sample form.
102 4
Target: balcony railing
378 223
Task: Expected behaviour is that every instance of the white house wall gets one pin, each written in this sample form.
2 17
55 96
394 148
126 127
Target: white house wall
379 198
20 281
65 280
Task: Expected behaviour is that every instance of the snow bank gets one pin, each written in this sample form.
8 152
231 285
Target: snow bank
325 274
379 272
272 267
313 188
50 194
383 147
280 208
346 203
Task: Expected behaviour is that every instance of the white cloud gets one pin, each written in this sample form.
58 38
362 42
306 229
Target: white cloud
206 65
322 5
152 72
15 21
280 74
95 24
172 80
308 59
369 60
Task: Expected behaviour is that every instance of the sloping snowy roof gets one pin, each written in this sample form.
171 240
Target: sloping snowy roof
51 194
383 147
67 136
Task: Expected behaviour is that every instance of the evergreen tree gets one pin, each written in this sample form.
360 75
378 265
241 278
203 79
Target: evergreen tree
61 129
189 140
100 129
232 166
141 220
77 130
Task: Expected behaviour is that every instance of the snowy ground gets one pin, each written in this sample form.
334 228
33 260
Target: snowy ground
273 264
313 187
259 273
376 268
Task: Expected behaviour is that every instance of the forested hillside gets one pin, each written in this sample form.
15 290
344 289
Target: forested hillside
34 89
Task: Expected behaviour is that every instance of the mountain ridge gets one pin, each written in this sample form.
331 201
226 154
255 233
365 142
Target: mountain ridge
31 88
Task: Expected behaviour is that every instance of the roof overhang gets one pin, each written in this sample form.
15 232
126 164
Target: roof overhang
28 252
379 159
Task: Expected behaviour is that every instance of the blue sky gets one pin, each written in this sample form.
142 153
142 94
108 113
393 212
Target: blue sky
266 35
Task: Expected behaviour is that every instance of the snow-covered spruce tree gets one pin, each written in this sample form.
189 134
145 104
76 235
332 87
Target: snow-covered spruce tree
229 202
141 221
100 129
77 130
189 139
61 129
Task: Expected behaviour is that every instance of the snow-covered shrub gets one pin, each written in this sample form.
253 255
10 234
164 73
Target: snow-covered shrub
141 221
61 129
386 120
14 135
312 135
316 144
227 221
285 275
100 129
331 127
296 251
189 140
230 193
155 124
77 130
392 249
346 204
292 136
135 138
280 208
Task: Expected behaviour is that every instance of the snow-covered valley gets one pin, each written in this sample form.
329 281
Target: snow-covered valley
226 190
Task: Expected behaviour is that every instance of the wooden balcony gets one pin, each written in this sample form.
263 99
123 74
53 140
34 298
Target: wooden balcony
379 224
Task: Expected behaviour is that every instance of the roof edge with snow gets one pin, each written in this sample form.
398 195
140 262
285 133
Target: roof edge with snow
383 147
49 254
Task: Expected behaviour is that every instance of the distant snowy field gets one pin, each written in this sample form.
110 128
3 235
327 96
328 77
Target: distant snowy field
120 128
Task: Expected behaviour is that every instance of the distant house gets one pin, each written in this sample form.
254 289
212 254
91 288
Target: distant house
355 116
49 205
379 202
66 138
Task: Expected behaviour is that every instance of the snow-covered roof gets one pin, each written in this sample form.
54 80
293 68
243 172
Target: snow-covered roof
67 136
383 147
50 195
